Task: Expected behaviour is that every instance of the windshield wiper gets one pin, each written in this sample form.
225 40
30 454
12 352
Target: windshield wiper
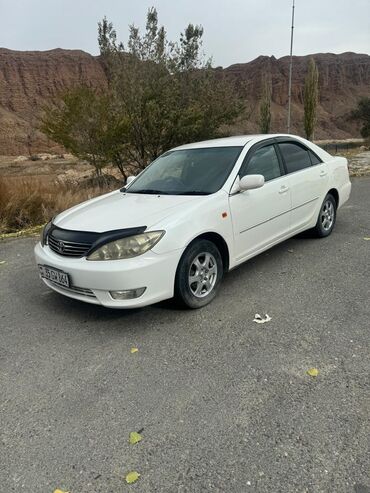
193 192
150 191
153 191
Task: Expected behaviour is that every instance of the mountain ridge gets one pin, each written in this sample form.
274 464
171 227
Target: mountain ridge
29 79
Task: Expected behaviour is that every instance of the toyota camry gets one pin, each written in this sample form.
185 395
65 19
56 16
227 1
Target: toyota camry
196 212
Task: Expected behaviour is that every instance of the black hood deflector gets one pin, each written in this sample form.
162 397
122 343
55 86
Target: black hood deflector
93 239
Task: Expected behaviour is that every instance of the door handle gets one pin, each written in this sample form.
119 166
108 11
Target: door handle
283 189
323 173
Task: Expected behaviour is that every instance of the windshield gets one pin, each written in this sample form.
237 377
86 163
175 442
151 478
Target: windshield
187 172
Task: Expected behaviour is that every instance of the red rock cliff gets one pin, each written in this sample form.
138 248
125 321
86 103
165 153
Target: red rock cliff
29 79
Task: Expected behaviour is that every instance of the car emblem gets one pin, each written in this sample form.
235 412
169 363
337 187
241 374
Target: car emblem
61 247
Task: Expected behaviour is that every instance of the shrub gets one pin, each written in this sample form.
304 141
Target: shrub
27 202
362 114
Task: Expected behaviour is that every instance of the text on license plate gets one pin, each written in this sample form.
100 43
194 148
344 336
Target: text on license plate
54 275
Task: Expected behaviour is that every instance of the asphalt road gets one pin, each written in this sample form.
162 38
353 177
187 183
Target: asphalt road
225 404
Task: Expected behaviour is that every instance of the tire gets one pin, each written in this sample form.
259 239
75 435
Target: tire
327 217
202 263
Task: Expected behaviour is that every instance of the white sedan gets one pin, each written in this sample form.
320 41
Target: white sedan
196 212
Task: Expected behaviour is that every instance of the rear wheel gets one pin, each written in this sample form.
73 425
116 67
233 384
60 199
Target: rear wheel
199 274
327 216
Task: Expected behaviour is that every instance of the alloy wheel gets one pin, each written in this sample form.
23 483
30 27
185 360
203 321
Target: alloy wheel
327 215
202 274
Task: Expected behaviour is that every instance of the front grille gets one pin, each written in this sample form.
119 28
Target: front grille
74 289
68 248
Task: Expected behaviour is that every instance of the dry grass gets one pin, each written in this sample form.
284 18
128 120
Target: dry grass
30 201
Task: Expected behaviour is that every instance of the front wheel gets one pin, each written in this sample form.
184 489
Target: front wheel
199 274
327 216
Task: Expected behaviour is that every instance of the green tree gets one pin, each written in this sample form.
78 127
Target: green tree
160 94
107 36
189 54
265 108
168 91
85 123
311 97
362 114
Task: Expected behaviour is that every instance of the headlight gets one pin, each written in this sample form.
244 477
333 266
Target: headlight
129 247
45 232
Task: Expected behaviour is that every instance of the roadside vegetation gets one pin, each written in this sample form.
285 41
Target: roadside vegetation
26 202
265 108
310 99
362 114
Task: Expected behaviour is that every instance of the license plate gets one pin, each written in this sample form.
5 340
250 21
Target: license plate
54 275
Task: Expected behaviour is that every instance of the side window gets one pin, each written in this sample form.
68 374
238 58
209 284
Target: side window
314 158
264 162
295 156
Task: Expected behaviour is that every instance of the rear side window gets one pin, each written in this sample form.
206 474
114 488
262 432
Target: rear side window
295 156
314 158
264 162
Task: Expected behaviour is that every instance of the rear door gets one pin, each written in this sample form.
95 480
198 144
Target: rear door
308 180
261 216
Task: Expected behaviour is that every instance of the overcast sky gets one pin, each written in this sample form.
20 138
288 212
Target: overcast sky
234 30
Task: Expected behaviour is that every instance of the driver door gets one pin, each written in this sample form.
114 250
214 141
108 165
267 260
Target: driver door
261 216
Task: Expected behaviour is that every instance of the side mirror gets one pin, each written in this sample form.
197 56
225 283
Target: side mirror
129 179
250 182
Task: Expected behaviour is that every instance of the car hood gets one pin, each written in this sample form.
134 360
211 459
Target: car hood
119 210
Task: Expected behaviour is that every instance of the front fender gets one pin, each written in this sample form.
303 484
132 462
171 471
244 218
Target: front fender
210 215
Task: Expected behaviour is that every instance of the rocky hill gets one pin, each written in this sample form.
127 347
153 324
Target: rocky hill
30 79
343 79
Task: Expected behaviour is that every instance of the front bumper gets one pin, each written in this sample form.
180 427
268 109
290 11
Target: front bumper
92 281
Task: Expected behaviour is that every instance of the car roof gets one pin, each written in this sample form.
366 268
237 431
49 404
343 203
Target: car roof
238 141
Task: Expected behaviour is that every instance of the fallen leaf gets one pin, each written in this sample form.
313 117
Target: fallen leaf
367 238
60 491
291 250
135 437
134 350
132 477
261 320
313 372
2 262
